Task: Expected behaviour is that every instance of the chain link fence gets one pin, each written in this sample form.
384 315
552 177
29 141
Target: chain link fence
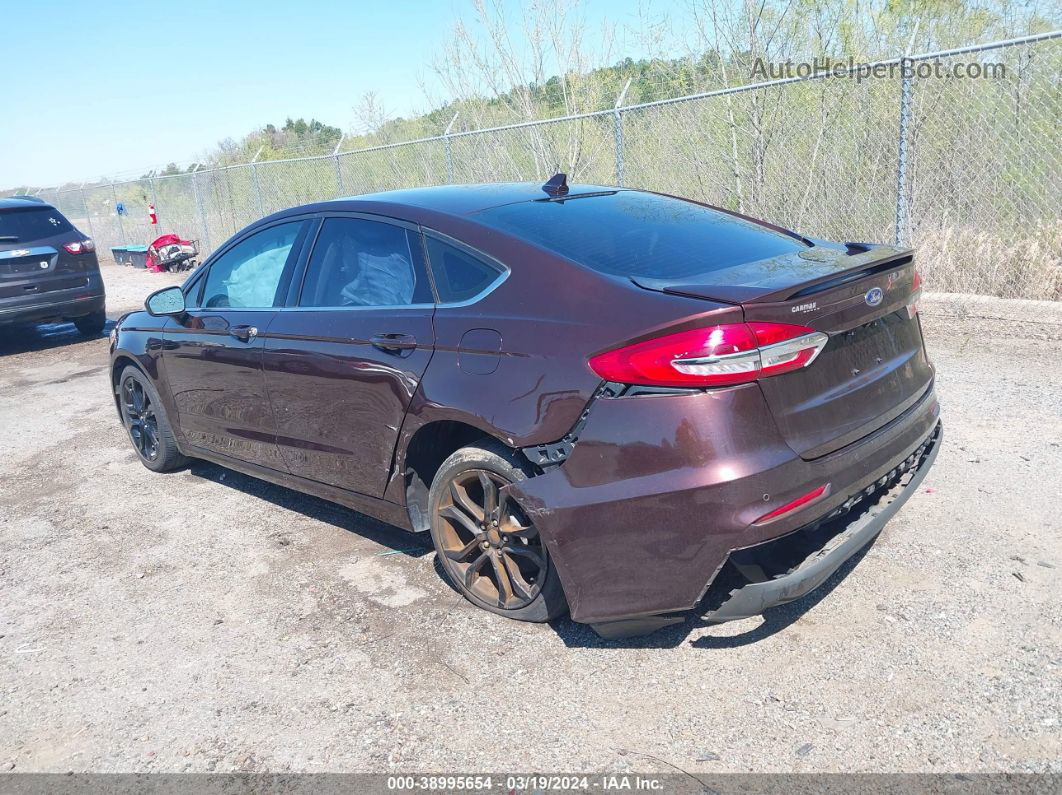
966 169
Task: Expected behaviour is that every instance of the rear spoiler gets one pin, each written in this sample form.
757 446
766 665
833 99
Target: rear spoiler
821 267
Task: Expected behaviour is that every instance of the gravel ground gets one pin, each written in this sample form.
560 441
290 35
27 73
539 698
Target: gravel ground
204 620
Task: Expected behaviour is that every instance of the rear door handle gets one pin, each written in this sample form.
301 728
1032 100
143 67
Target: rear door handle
394 342
243 333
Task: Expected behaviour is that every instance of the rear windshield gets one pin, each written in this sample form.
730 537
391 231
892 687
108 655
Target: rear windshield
22 226
640 234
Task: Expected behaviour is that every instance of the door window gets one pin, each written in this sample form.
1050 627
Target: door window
459 276
248 274
361 263
192 290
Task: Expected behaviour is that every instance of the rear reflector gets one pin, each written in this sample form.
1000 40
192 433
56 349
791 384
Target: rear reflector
799 502
735 353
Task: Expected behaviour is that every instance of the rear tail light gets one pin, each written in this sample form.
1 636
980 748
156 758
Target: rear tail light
797 504
80 247
916 295
735 353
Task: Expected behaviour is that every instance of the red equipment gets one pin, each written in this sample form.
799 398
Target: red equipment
171 253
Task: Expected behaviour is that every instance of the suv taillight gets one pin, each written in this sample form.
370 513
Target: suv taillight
734 353
80 247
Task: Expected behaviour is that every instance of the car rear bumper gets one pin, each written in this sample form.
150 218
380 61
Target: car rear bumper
852 533
661 490
61 304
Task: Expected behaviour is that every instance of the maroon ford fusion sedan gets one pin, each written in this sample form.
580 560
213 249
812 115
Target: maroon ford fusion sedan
623 404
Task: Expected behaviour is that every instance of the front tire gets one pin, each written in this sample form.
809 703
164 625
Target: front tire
91 325
488 548
146 422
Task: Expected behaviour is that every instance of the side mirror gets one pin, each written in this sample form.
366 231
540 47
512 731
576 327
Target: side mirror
167 301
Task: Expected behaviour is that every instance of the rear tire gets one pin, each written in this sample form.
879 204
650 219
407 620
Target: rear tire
146 422
91 325
487 547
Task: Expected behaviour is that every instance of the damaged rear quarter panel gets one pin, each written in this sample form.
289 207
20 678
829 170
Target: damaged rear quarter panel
660 489
628 518
550 316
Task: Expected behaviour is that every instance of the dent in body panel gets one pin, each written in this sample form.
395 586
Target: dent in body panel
218 387
660 489
629 507
339 400
551 316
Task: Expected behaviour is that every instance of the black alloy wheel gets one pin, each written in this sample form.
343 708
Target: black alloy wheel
138 413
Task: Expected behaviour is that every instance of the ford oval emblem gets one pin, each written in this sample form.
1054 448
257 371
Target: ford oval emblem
874 296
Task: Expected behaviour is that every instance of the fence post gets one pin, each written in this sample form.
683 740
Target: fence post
340 190
449 150
257 184
906 73
617 128
121 226
88 212
154 199
901 160
199 206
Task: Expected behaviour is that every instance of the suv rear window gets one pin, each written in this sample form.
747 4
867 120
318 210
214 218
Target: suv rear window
22 226
628 233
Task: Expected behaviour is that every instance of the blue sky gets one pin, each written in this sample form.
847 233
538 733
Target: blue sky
106 88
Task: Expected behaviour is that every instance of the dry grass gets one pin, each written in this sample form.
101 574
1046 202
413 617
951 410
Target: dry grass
966 260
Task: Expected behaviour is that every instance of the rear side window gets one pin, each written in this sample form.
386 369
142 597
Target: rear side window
248 274
459 276
357 262
23 226
628 233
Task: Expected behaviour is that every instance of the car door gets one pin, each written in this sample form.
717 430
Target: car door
342 363
212 355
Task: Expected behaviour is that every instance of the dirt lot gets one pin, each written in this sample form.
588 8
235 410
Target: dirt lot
204 620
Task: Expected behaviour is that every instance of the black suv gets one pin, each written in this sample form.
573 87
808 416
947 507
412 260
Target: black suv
48 268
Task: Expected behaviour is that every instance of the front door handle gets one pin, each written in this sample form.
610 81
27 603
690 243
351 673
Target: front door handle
394 342
243 333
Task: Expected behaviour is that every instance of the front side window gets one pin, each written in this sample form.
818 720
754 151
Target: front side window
458 275
361 263
248 274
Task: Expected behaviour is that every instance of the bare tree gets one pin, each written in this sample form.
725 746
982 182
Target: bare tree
504 67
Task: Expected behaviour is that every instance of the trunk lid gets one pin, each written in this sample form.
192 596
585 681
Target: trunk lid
36 269
872 369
